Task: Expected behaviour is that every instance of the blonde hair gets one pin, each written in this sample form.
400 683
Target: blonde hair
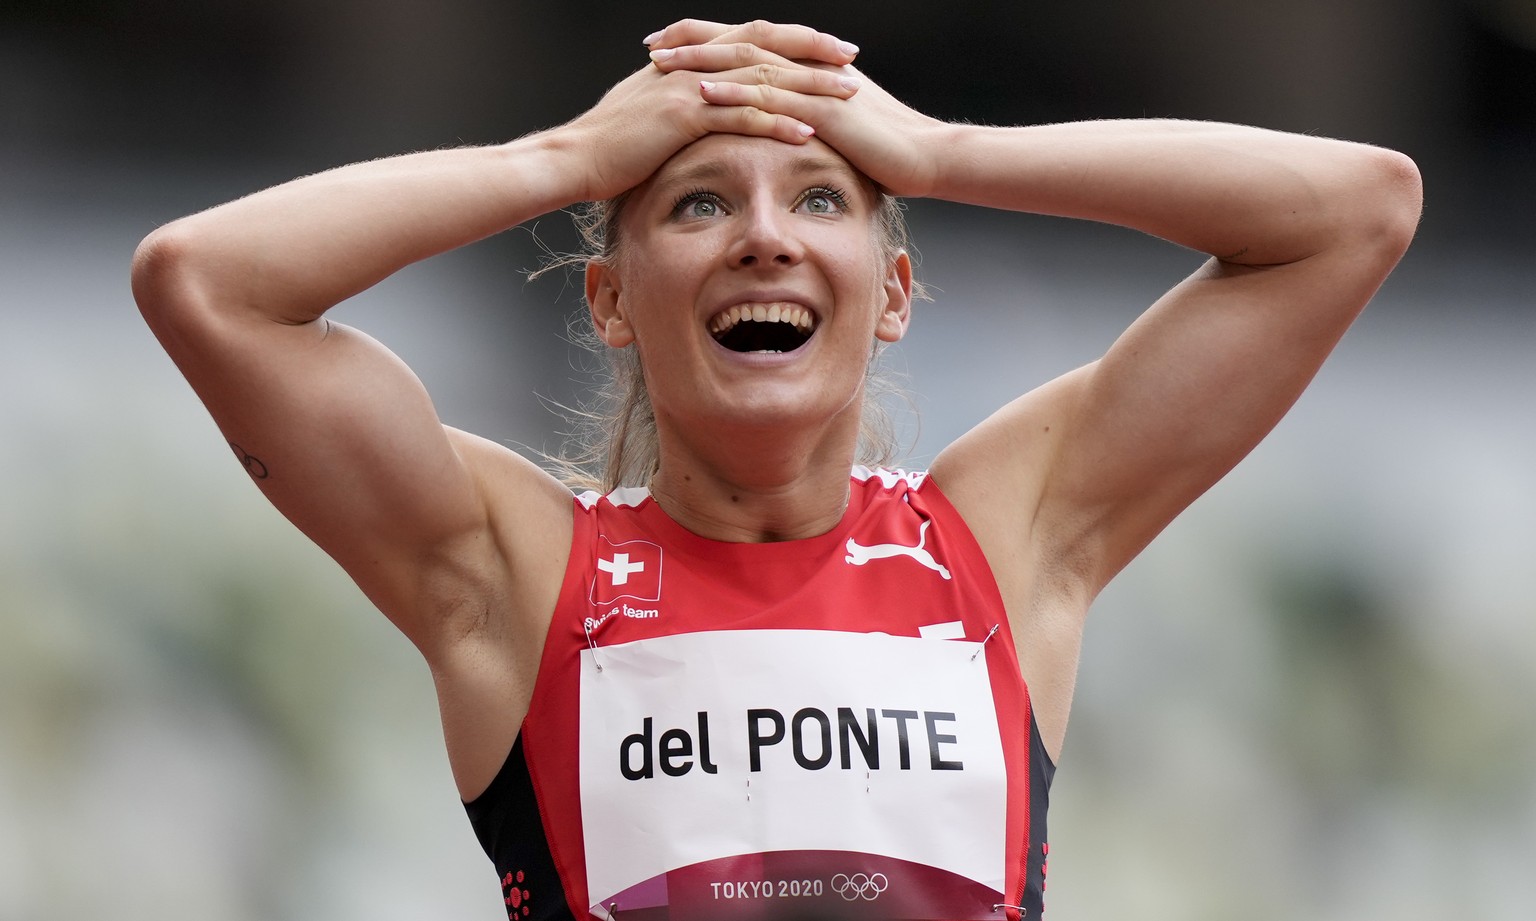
614 442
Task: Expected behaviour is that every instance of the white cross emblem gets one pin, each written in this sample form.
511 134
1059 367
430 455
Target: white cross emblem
620 568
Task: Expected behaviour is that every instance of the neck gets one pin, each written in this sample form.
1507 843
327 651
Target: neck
756 485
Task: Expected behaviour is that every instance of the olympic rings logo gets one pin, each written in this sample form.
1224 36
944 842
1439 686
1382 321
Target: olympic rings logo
864 886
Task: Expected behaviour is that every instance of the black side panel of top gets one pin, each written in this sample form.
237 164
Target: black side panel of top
1041 773
506 820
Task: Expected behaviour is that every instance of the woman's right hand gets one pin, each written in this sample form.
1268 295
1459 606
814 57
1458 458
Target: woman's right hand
645 119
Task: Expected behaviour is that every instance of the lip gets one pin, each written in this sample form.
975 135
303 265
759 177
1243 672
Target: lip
762 359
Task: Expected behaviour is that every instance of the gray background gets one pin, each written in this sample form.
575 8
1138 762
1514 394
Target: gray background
1311 698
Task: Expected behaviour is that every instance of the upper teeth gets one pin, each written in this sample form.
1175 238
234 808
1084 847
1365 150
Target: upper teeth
762 313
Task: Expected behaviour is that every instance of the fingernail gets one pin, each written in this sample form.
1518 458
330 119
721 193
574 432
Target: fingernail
706 86
651 39
806 131
848 83
661 54
848 47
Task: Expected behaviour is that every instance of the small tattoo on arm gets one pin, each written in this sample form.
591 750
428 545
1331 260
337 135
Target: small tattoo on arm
250 462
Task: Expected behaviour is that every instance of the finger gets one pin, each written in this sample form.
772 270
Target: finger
750 64
686 32
761 97
722 119
713 58
800 43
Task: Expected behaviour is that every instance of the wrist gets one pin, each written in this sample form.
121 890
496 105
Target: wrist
945 143
554 166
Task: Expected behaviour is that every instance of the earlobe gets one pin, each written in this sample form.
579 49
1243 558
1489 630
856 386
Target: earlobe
603 301
898 301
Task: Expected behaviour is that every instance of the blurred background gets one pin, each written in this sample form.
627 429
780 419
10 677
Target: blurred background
1313 697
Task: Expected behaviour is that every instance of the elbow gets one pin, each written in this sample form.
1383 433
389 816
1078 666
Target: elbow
157 262
1389 199
1404 197
163 276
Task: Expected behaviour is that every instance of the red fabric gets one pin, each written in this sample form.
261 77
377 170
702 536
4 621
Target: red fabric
687 583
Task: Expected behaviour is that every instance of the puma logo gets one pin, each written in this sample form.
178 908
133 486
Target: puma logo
858 554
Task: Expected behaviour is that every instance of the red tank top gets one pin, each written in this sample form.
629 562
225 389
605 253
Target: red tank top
829 727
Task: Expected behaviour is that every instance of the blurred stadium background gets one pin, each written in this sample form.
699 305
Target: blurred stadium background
1314 697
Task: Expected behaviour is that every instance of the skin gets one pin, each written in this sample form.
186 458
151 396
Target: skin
762 437
463 544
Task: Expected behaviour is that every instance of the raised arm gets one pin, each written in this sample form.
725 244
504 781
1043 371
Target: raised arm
336 431
1301 231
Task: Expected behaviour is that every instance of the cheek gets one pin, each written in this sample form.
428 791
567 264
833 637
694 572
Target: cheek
665 273
860 273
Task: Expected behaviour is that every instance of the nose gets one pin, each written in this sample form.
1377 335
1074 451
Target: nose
766 238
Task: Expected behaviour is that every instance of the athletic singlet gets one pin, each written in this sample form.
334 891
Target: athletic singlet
833 727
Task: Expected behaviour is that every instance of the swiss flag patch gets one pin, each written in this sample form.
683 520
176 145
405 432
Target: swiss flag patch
631 569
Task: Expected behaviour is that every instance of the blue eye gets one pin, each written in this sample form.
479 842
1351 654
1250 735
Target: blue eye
697 203
824 201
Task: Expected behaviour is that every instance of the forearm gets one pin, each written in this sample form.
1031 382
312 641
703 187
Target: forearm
290 252
1242 194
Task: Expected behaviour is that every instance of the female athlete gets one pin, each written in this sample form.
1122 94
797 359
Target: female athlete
757 678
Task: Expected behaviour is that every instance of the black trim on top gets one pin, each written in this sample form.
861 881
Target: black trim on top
1041 772
506 819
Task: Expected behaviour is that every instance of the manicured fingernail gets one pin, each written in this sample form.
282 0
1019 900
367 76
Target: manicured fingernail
706 86
847 47
651 39
806 131
848 83
661 54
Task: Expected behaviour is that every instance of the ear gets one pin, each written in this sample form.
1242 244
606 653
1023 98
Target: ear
897 313
603 301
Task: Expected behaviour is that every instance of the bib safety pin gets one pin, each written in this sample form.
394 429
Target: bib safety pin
592 643
979 647
1001 905
613 910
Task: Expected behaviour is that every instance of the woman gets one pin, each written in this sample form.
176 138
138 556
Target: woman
751 682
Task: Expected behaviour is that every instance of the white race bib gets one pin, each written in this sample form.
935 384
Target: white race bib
747 772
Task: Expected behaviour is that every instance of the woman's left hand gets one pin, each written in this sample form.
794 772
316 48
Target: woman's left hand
891 143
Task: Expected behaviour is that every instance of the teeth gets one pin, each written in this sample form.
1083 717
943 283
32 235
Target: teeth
762 313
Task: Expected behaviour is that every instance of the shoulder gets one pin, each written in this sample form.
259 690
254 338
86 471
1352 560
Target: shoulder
996 473
509 484
997 476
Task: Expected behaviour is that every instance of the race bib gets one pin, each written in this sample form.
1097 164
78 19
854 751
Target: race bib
735 774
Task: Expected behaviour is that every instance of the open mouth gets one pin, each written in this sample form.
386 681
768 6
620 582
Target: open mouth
763 327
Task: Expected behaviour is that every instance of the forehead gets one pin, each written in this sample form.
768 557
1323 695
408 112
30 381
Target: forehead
737 158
